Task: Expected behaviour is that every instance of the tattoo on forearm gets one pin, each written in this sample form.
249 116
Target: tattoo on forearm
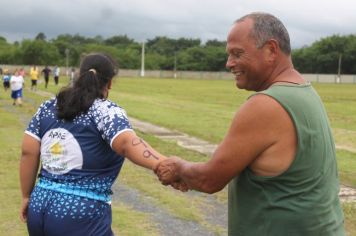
138 141
146 153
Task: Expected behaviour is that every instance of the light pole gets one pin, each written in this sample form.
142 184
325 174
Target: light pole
175 65
143 60
339 69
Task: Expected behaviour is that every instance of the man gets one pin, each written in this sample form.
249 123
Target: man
56 71
46 71
279 153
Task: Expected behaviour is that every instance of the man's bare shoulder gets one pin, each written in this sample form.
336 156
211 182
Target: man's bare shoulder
271 131
260 109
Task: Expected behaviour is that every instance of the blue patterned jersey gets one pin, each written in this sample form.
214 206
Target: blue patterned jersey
76 156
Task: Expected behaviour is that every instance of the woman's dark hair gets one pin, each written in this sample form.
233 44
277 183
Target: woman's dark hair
96 70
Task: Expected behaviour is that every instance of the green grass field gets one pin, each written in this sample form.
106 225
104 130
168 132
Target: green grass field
202 108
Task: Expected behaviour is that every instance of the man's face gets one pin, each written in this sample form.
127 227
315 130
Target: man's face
245 60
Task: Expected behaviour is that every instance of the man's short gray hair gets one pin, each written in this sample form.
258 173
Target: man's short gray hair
266 27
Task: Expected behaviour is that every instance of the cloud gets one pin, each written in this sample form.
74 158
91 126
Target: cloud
306 21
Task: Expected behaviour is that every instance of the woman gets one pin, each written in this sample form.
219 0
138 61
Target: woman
81 139
34 77
16 84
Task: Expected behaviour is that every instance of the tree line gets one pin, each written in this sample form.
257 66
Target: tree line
163 53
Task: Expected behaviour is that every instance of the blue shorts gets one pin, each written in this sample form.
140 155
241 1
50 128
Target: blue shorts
54 213
16 94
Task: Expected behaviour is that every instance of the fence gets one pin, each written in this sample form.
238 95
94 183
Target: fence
318 78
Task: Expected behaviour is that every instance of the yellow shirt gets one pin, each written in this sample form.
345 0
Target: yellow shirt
34 74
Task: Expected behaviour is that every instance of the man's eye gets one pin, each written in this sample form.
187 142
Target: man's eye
235 54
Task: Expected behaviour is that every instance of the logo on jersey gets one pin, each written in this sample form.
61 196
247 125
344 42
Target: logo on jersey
60 151
56 149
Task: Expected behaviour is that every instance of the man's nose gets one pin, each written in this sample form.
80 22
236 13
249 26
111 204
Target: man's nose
229 63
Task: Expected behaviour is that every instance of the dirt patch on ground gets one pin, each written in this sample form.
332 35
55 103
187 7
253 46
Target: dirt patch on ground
167 224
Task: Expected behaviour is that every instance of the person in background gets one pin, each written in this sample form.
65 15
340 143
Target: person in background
22 72
46 72
16 84
81 140
278 156
34 74
56 72
6 79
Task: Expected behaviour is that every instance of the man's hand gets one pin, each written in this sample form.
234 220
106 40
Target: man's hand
182 186
167 170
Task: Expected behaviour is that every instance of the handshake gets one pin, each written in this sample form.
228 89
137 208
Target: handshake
168 172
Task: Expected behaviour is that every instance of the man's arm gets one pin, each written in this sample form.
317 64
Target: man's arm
253 130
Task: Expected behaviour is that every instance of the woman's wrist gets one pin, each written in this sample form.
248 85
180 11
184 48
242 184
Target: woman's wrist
157 163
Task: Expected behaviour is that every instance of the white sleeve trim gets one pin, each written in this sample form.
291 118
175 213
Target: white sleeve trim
33 135
118 133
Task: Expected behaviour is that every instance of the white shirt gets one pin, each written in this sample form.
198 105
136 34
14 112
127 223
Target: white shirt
16 82
56 71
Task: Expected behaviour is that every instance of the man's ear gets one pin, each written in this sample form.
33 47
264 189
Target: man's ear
109 84
271 49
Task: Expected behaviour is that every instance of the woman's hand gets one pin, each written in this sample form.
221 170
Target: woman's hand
23 210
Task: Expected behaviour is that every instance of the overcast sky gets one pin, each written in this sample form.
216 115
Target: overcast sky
306 20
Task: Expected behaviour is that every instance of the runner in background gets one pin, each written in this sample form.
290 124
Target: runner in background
16 84
56 72
34 74
46 71
6 79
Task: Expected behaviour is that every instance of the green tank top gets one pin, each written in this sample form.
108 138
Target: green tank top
303 200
